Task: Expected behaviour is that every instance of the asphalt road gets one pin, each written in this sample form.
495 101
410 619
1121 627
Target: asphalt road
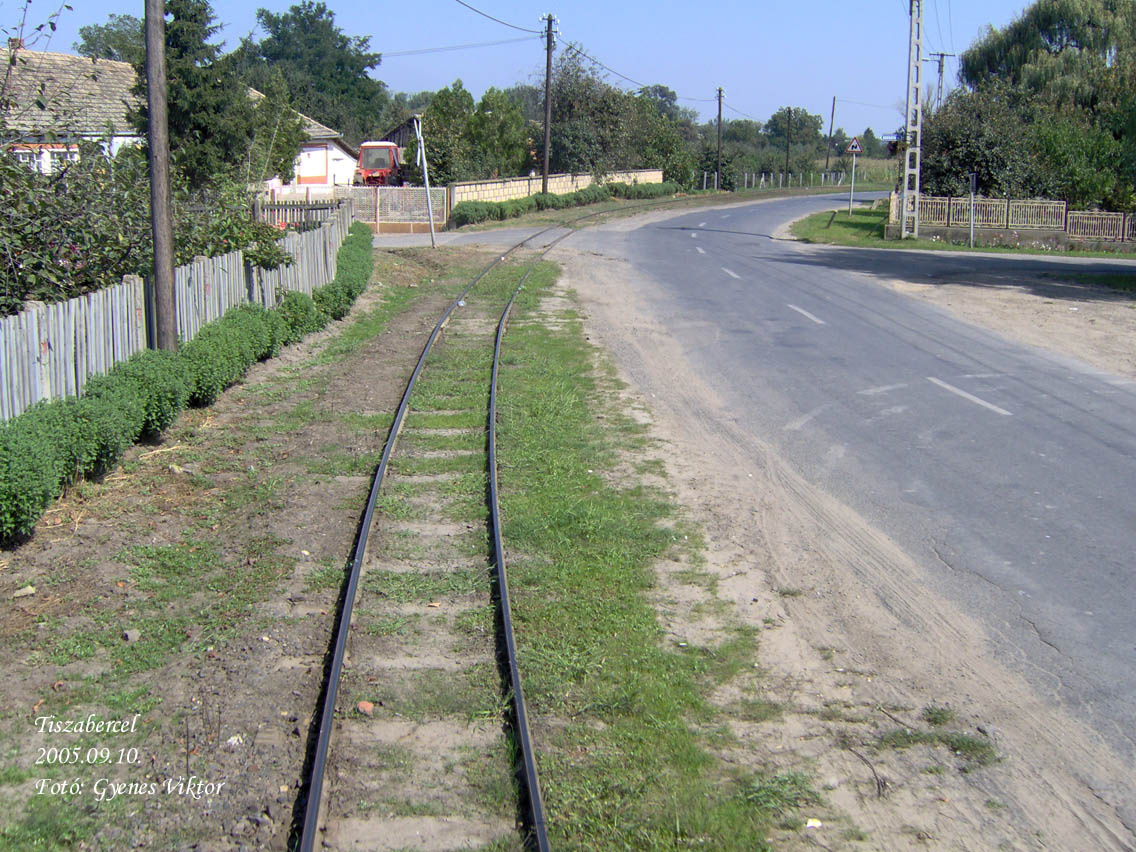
1008 472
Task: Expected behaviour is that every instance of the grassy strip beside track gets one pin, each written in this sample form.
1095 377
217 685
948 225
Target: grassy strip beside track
623 726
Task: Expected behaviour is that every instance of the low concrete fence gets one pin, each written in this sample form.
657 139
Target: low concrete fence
510 188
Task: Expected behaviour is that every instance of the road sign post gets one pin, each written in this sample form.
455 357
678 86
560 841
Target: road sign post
973 187
853 148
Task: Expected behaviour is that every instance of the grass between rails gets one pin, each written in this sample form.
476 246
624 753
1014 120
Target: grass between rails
183 559
619 716
864 228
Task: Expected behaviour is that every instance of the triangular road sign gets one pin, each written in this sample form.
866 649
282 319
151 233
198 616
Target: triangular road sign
854 146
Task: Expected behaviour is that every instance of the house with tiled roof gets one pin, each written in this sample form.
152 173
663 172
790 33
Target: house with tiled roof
55 100
324 160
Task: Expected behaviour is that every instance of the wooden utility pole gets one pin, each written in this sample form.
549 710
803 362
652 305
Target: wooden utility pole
831 119
548 45
718 173
159 144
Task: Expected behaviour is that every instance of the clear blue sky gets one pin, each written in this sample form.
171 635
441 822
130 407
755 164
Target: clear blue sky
799 53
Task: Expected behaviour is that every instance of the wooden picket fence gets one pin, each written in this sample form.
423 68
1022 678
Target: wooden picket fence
48 351
1022 215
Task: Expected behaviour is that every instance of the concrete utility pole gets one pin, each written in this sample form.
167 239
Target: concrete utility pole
159 141
939 91
788 136
909 213
831 119
548 46
718 173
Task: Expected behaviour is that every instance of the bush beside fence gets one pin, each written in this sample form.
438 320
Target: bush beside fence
48 351
53 443
472 212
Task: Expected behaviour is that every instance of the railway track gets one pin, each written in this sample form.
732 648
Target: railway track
449 718
432 749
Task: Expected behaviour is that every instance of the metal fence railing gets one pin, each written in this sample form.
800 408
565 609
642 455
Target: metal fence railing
1096 226
401 205
1021 215
48 351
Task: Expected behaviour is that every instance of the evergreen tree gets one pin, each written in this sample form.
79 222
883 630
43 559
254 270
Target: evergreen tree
210 114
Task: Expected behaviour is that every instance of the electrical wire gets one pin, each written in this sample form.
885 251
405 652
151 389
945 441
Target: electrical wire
739 112
578 50
498 20
861 103
423 50
939 26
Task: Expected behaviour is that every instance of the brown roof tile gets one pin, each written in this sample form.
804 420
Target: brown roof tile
81 96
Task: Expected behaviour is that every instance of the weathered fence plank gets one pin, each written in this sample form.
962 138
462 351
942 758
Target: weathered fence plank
49 351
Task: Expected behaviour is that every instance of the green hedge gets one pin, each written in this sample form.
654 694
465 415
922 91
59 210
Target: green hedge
53 443
472 212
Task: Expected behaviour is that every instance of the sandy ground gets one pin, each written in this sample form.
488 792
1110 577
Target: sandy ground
853 644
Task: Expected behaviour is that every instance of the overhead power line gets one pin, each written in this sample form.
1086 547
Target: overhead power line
498 20
739 112
420 51
578 50
575 48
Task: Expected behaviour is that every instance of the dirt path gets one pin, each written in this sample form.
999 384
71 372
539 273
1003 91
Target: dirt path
884 692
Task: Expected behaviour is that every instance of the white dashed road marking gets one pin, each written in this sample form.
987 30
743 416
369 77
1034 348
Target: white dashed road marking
969 396
801 421
731 273
806 314
700 249
882 389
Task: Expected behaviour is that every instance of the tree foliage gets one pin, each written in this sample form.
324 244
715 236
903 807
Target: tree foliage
210 115
85 227
326 70
1049 110
121 38
1054 48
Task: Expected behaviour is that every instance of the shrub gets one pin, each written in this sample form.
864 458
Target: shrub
163 381
225 349
52 443
469 213
301 316
643 190
28 463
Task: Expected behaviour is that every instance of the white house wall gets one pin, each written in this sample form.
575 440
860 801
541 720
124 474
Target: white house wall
323 164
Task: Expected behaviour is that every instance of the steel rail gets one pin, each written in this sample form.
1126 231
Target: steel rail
537 819
327 711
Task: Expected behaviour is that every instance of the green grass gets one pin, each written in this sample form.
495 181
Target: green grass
975 751
624 730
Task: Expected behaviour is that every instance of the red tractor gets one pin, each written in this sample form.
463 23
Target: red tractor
380 164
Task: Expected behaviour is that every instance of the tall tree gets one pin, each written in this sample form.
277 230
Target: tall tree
121 38
1053 48
326 70
501 142
210 114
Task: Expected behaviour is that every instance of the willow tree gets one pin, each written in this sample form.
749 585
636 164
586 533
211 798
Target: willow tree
1056 49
